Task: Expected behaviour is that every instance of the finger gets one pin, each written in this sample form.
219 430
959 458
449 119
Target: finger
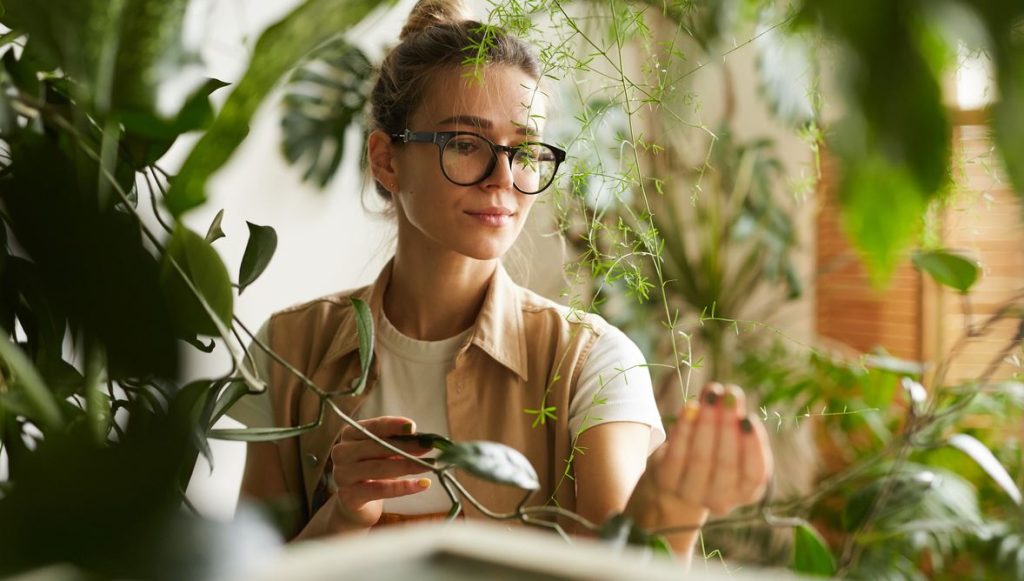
725 478
669 468
757 459
382 426
371 490
356 450
703 447
355 472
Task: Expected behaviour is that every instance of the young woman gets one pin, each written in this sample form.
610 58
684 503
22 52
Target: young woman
463 351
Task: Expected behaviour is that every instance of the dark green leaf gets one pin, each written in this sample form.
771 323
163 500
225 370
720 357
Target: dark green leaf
258 252
215 232
948 268
616 530
894 142
811 555
22 376
324 98
426 440
209 280
1003 21
364 329
190 409
97 402
149 136
118 52
267 434
279 48
231 394
91 265
989 463
493 461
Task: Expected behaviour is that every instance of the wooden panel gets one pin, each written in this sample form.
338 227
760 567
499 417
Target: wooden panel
913 317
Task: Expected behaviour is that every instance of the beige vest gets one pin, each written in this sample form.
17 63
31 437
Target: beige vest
524 352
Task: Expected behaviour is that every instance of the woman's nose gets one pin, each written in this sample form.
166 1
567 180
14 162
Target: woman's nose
501 175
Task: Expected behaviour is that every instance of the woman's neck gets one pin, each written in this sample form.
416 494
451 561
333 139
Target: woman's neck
435 295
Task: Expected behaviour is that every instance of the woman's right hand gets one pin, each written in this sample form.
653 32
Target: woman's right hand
365 473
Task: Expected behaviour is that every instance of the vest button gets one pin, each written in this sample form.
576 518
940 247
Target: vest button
311 459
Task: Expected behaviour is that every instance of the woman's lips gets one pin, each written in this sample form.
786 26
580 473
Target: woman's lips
492 217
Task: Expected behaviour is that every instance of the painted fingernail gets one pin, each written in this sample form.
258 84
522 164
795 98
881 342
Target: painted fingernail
746 426
690 411
423 483
710 397
407 428
729 400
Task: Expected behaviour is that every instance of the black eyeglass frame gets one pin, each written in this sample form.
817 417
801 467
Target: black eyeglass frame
441 139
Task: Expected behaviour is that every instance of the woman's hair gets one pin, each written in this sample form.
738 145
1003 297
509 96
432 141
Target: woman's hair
435 38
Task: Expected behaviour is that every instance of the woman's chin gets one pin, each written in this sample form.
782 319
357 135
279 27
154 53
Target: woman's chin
485 250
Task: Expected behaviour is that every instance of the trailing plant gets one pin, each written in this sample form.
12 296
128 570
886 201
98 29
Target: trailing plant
81 133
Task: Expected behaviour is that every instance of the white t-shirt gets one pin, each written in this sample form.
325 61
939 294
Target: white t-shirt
614 385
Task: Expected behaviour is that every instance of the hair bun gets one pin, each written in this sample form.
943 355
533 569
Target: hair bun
429 13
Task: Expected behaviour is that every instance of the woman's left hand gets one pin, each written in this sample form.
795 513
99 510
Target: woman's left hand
715 459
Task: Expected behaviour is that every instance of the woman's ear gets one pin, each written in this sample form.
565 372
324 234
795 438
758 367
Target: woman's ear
382 160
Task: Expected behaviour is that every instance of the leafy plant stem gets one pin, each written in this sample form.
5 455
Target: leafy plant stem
152 197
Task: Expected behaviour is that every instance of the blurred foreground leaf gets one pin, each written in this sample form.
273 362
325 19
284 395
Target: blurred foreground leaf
278 49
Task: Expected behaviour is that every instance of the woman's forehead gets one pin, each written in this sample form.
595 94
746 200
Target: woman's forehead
502 99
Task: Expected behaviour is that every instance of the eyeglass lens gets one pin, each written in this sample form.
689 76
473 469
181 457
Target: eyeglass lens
468 159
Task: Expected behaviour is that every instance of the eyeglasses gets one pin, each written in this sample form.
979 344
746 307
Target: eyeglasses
468 159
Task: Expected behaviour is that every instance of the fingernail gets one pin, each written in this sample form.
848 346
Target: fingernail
423 483
710 397
407 428
690 411
746 426
729 400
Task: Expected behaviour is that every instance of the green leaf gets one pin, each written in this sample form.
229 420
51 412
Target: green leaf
882 212
1003 20
811 554
989 463
23 376
426 440
148 136
119 53
785 66
97 402
79 248
616 530
364 329
279 48
267 434
204 268
324 98
494 462
189 409
948 268
659 544
231 394
258 252
214 232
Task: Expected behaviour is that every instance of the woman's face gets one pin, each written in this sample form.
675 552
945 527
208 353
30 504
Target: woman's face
480 221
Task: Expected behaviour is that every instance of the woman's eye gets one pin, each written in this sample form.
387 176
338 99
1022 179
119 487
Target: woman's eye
465 147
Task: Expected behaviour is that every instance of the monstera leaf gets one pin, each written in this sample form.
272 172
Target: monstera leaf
324 98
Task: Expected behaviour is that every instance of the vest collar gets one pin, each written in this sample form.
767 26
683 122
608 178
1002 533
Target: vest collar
498 329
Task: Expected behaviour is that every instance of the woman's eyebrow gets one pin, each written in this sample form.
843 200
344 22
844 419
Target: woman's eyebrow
480 123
